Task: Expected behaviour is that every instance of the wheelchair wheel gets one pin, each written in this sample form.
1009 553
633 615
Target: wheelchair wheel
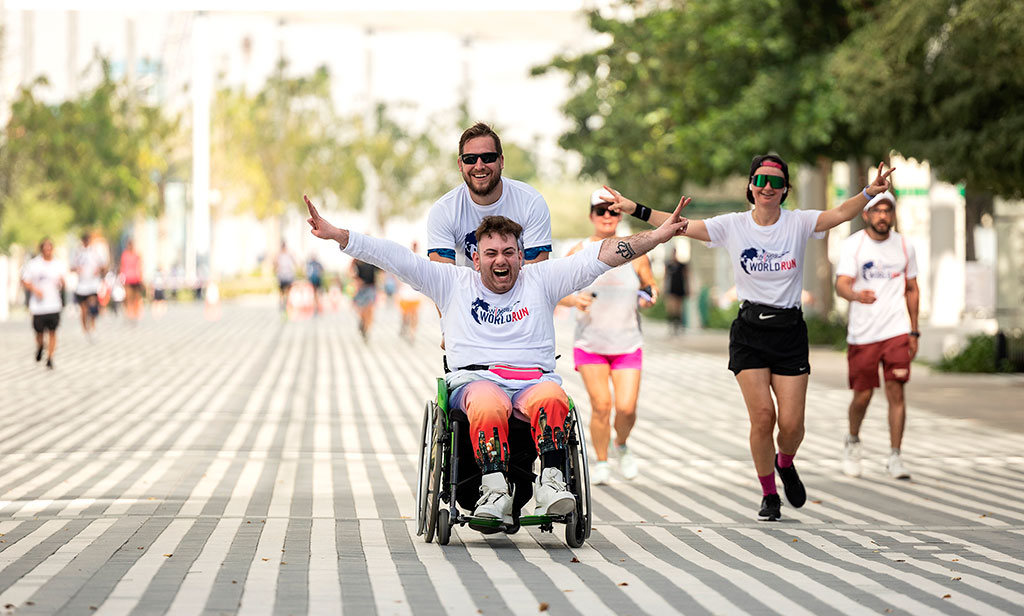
435 461
577 524
423 470
444 527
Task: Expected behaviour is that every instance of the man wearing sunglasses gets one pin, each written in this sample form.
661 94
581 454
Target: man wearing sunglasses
499 317
453 219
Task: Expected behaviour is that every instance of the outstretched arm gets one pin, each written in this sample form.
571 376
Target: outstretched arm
432 279
855 204
696 229
616 251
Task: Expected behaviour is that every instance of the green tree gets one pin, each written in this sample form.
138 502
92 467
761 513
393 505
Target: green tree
941 80
270 147
691 91
95 155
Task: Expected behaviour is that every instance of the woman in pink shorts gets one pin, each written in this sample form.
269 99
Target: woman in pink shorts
608 343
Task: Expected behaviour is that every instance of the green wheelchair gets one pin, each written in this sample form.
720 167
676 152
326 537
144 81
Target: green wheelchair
442 486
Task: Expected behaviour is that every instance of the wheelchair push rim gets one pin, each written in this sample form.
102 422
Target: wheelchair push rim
423 469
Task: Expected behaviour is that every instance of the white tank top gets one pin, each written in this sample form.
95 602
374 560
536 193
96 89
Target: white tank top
611 326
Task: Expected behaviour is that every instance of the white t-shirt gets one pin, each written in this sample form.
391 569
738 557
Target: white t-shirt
768 262
285 267
484 328
89 264
46 276
883 267
452 222
611 325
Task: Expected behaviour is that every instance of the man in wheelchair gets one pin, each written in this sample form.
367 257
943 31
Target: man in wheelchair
500 337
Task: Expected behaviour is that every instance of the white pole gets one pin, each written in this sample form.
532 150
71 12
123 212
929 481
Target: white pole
198 251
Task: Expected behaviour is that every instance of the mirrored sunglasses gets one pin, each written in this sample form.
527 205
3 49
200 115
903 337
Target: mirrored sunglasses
776 181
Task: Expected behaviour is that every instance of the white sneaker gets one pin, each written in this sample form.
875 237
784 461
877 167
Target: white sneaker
896 468
601 473
627 463
551 495
494 501
851 457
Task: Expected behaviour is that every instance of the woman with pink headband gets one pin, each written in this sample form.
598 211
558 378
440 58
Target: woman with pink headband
768 348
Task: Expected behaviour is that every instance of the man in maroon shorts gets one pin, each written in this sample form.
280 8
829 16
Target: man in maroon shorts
877 274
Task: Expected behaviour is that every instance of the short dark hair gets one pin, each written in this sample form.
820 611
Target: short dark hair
46 238
498 225
479 130
759 162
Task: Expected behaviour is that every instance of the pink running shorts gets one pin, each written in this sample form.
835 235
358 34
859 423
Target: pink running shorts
626 361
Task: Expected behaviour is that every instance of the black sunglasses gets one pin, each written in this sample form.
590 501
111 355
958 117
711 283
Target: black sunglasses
487 157
777 181
601 211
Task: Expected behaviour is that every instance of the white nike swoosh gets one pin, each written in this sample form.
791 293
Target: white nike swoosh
765 316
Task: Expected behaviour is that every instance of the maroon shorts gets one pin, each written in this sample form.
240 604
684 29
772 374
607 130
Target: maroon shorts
894 355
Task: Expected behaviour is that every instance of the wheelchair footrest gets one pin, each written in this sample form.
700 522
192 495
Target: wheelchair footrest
486 526
539 520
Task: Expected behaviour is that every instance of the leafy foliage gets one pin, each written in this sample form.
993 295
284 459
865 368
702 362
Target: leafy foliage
692 91
978 355
95 155
941 80
270 147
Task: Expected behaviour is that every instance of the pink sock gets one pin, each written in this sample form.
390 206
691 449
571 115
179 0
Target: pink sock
767 484
785 460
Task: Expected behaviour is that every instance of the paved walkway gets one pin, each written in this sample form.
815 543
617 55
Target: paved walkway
255 466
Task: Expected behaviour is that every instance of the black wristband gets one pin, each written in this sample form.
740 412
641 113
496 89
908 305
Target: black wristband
642 212
915 334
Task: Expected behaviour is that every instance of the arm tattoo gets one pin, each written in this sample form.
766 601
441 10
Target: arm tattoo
624 250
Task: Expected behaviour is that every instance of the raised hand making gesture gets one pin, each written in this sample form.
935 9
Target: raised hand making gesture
321 228
880 184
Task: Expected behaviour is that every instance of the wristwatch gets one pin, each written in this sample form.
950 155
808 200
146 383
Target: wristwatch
915 334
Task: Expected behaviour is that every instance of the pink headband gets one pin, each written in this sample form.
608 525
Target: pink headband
770 163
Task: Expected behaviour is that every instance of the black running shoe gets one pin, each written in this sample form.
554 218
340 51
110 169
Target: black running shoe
49 363
794 488
771 508
39 354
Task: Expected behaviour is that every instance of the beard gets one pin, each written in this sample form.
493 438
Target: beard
488 187
881 228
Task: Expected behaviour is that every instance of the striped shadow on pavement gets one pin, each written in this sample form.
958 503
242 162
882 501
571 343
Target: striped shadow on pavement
255 465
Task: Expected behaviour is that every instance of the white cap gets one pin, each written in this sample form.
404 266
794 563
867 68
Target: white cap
601 195
882 196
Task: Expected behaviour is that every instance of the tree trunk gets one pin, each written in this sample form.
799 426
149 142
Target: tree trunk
977 204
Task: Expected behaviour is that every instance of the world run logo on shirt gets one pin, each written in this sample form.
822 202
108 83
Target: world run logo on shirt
470 242
754 260
870 272
483 314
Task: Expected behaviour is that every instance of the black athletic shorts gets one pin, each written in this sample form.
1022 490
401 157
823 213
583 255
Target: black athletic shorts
783 350
81 298
43 322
